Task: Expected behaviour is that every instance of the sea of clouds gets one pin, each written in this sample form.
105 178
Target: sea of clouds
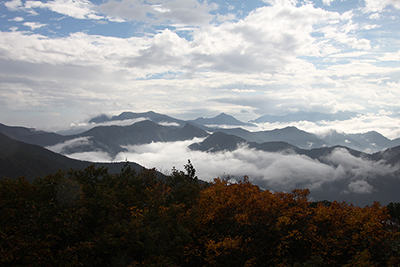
274 171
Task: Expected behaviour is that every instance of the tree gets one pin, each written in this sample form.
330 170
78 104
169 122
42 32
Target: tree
91 218
394 212
241 225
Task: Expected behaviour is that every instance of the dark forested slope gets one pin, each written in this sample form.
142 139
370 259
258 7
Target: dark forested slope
21 159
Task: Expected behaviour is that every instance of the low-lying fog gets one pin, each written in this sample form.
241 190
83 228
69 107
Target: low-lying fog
276 171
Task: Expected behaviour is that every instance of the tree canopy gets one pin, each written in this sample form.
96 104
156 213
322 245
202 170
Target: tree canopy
92 218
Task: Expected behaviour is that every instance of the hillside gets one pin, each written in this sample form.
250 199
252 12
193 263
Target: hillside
32 136
31 161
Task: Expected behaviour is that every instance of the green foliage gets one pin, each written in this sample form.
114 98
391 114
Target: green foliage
92 218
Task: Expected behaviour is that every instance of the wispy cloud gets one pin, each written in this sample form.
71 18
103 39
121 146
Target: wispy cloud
17 19
79 9
379 5
58 148
34 25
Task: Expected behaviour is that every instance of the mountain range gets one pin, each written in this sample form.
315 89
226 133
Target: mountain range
155 127
25 151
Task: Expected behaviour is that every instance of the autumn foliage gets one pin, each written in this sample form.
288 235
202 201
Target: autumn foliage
92 218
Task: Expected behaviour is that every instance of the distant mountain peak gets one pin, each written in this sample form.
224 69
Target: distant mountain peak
100 118
128 115
218 141
221 119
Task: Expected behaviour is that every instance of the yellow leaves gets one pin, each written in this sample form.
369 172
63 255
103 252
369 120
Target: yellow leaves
228 243
136 213
361 259
294 234
287 224
284 220
301 193
234 202
243 218
216 250
251 262
162 224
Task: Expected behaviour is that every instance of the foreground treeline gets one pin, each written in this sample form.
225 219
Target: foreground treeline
92 218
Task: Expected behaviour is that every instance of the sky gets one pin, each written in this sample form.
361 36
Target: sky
65 61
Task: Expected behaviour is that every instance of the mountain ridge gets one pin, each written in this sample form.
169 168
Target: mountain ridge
221 119
112 138
18 159
128 115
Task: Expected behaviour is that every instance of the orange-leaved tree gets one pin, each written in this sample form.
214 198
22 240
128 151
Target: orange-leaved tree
240 225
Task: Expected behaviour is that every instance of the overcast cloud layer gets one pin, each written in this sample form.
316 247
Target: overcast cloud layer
62 61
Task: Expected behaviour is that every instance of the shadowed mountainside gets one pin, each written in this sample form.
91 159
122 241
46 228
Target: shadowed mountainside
21 159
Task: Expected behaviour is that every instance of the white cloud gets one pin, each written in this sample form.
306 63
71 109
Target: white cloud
186 12
266 41
379 5
360 187
327 2
344 34
273 57
276 171
358 168
58 148
79 9
13 5
78 49
246 46
392 56
18 19
164 123
91 156
34 25
375 16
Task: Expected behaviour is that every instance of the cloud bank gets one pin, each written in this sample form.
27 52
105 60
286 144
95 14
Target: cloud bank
273 171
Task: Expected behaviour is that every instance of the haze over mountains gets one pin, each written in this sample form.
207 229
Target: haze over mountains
307 116
370 141
334 166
